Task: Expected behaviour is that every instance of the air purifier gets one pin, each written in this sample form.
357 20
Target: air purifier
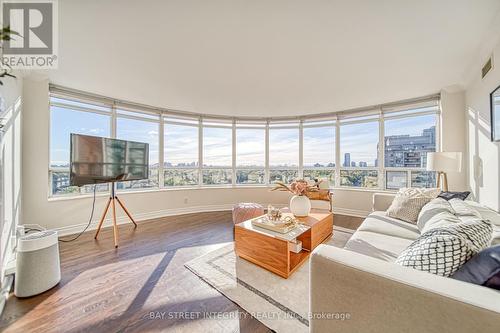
37 264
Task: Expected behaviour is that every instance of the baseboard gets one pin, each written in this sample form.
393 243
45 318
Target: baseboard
77 228
350 212
339 228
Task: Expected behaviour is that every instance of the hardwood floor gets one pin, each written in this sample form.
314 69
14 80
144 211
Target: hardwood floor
141 286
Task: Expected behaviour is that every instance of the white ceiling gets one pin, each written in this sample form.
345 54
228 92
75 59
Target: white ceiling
265 57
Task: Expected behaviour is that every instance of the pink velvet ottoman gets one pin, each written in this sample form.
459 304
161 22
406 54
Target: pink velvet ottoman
246 211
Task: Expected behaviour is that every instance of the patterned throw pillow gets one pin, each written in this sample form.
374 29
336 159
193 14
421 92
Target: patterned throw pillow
409 201
444 250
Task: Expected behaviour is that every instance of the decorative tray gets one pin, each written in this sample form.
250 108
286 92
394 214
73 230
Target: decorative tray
283 225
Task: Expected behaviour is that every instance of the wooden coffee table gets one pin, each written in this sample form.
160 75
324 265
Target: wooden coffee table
271 250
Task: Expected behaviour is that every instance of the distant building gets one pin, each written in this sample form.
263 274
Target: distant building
409 151
363 164
353 164
60 180
347 159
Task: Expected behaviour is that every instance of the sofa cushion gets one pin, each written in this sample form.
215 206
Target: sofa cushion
377 245
482 269
379 222
491 215
409 201
444 250
463 208
437 213
486 213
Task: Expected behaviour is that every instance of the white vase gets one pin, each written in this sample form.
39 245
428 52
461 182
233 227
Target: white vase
300 205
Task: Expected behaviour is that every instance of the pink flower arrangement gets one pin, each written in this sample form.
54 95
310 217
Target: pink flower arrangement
297 187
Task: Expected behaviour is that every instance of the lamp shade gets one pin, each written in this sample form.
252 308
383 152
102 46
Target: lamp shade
444 161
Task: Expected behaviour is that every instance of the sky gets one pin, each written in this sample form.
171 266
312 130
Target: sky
181 142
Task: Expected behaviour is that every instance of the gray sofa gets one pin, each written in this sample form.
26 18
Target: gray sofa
361 289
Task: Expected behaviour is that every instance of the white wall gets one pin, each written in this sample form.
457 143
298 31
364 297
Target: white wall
65 213
483 174
10 157
452 126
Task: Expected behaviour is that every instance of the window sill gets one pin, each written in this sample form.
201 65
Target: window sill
197 188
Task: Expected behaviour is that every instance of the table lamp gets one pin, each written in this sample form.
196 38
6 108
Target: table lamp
442 163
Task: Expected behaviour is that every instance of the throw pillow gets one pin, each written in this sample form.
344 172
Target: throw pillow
408 202
444 250
462 208
436 213
454 195
482 269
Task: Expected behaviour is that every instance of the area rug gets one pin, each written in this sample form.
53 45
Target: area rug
280 304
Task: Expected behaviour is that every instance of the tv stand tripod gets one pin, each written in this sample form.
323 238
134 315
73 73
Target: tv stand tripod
111 201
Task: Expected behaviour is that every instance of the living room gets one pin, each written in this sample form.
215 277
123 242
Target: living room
253 166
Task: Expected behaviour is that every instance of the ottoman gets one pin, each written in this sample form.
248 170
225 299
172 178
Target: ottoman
246 211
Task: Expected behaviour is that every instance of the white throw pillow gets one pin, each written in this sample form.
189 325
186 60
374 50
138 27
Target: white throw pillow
444 250
462 208
409 201
437 213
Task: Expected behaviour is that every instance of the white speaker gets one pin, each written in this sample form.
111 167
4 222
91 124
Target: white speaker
37 264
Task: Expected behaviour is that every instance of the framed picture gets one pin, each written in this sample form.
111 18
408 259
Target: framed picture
495 114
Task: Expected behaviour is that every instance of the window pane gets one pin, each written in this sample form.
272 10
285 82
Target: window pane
62 123
359 178
250 147
284 147
217 176
358 145
285 176
140 131
250 176
180 177
180 145
217 147
396 179
60 185
320 174
65 121
319 147
423 179
408 140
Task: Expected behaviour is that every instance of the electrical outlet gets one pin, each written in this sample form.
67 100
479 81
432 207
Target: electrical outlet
185 200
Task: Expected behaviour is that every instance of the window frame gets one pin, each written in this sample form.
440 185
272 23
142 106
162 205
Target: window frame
216 123
189 122
136 115
295 124
429 105
250 125
77 108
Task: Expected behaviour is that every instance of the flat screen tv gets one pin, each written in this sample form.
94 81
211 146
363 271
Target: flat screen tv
96 160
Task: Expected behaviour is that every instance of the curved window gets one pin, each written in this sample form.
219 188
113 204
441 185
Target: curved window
380 148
